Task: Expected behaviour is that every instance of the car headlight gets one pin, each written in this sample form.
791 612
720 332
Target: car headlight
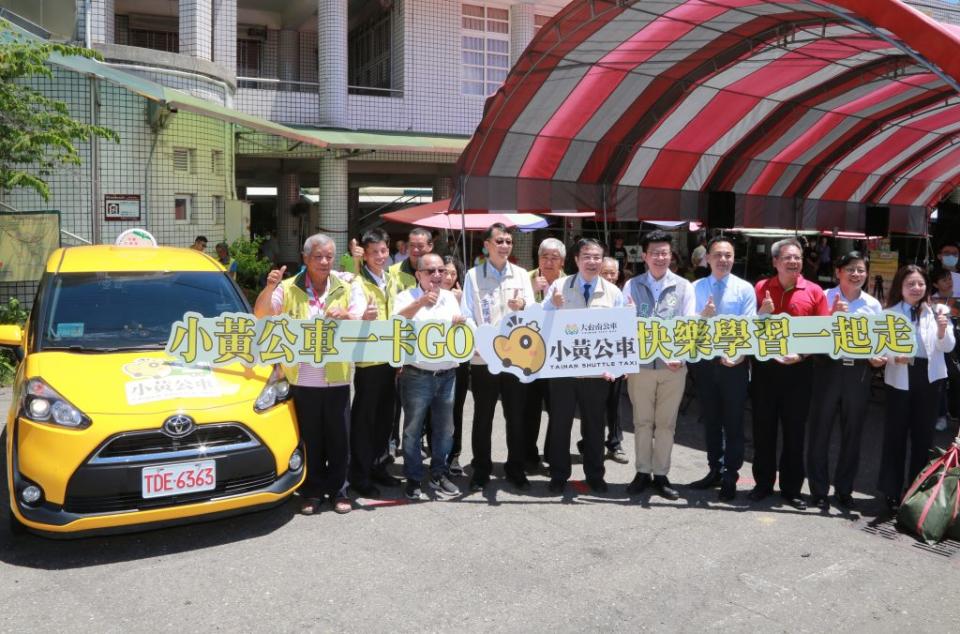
277 390
41 403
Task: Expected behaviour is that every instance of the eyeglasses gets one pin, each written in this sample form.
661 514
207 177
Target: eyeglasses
503 241
660 254
790 258
433 271
854 271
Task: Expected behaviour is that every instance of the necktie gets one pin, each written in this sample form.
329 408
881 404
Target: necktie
586 294
718 294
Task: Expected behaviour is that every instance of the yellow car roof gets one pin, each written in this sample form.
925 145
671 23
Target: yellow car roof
109 258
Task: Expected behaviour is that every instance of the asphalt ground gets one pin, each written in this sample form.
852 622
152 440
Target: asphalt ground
502 561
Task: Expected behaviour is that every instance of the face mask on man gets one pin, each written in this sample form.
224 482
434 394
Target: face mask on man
950 261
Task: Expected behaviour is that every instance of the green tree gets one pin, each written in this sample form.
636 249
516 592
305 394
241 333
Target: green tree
37 133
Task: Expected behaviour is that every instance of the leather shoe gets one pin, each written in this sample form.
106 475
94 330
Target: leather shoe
366 490
639 483
519 480
728 490
384 479
709 481
662 485
796 501
597 485
819 501
478 482
893 504
846 501
759 493
557 486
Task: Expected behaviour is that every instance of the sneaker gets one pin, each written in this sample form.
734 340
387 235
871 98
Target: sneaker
617 454
444 488
941 424
455 469
413 491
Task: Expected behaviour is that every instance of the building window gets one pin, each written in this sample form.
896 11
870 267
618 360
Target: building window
369 54
183 208
539 21
249 57
181 159
218 210
485 40
216 162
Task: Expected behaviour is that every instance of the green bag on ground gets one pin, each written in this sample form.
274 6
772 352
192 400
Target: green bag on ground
930 506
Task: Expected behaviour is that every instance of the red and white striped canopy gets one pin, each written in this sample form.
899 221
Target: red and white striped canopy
809 111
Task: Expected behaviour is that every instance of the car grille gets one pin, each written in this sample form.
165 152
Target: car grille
133 501
137 444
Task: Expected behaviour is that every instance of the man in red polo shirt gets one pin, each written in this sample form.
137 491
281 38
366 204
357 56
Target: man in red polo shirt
781 387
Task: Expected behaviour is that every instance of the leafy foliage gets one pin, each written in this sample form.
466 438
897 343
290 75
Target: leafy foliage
37 133
252 268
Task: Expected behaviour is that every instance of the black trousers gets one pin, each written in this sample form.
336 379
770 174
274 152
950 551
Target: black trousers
487 388
722 392
537 400
614 426
565 395
910 414
781 400
371 419
323 416
844 390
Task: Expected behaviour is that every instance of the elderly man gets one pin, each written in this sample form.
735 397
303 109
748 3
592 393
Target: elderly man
428 386
321 395
782 387
586 289
657 389
550 256
374 383
492 291
722 382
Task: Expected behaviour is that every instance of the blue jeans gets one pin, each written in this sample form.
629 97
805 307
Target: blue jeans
421 391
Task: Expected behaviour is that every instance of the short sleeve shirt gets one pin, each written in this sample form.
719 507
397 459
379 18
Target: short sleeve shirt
805 299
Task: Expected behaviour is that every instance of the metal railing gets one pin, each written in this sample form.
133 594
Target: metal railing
292 85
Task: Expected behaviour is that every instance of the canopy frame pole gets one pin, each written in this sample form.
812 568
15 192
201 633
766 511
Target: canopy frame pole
463 223
603 204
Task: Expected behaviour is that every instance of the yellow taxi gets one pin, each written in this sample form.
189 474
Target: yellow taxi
106 433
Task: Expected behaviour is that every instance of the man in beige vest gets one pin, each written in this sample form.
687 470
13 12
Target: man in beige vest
490 291
586 289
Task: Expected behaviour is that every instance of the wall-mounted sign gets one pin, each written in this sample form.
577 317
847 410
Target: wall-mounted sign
121 206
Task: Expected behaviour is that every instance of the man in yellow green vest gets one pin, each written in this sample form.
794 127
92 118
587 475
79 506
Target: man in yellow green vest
321 395
374 384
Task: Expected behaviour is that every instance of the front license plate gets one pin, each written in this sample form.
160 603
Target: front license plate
174 479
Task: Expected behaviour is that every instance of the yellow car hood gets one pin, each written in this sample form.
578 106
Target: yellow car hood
143 382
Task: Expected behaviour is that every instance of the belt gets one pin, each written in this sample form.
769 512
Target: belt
416 370
851 362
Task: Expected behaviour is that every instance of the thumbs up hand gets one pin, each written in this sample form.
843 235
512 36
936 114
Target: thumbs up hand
540 284
839 305
276 276
710 309
355 249
371 312
557 298
766 307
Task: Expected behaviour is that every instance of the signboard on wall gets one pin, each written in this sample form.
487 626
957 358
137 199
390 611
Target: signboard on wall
121 206
26 241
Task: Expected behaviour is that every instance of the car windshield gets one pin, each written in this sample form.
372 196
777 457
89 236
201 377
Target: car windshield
104 312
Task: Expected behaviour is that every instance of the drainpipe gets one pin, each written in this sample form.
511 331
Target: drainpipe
88 23
94 165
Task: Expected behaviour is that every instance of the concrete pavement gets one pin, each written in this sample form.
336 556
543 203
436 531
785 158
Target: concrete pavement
501 561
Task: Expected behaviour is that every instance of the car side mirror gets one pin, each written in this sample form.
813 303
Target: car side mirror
11 335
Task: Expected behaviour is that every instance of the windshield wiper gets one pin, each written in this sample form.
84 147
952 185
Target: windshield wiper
82 350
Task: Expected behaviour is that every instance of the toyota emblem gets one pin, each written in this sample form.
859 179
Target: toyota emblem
178 426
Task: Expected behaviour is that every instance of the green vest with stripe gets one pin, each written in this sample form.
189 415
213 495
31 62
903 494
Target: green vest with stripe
296 303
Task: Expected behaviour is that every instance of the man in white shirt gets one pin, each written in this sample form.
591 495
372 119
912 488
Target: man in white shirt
491 291
586 289
428 386
949 255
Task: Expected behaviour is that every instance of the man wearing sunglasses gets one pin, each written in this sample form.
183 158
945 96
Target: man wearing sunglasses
491 291
428 386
